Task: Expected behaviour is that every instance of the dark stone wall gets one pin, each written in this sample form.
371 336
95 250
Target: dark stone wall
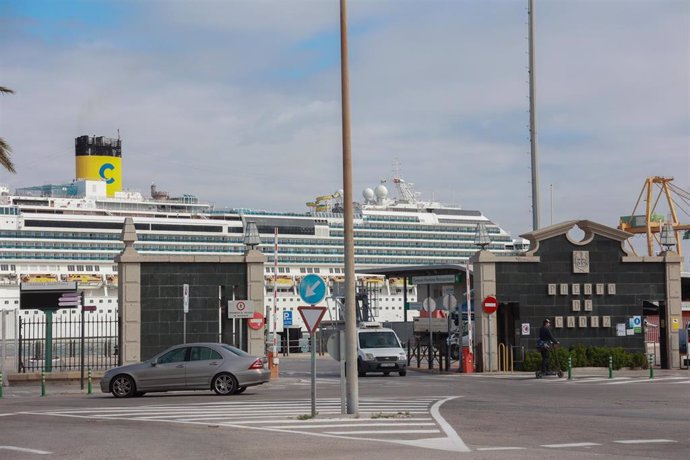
162 315
526 284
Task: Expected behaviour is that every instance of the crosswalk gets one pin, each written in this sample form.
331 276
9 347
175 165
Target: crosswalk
399 420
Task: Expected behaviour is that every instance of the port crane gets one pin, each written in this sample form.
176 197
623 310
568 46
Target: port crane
653 192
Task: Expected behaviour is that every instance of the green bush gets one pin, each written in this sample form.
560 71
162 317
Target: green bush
639 360
586 357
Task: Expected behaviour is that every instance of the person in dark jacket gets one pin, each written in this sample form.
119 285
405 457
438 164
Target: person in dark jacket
546 338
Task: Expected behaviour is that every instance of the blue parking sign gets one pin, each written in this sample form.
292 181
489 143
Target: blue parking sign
287 318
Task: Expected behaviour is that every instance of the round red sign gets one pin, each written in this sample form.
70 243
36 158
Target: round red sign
257 322
490 304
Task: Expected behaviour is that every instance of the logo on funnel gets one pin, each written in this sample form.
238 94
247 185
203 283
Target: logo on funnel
102 172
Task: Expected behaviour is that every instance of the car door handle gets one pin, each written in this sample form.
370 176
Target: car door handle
180 366
213 364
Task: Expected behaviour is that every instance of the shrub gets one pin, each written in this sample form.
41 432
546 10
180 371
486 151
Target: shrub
639 360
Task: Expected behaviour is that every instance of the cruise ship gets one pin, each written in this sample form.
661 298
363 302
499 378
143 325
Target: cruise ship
72 232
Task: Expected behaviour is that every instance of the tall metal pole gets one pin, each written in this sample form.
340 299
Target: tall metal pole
352 386
533 122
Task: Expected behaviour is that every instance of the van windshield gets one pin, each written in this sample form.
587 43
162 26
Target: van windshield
383 339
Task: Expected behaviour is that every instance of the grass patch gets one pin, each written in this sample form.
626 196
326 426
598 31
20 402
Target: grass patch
305 416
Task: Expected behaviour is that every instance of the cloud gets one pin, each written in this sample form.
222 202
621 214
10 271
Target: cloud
239 102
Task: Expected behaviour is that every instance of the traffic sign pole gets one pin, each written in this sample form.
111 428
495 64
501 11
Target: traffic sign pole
312 317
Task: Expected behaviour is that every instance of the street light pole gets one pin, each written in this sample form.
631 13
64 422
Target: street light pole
352 384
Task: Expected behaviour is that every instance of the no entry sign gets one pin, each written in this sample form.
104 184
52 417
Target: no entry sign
490 304
257 322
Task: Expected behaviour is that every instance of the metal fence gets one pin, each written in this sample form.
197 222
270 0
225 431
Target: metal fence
82 340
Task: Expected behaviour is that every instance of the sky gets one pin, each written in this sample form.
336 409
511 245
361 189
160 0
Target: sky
238 101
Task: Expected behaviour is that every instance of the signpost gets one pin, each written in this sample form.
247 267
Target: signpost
48 297
312 317
185 309
287 319
256 322
490 305
239 309
429 305
312 290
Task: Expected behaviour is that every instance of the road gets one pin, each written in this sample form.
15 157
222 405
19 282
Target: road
421 415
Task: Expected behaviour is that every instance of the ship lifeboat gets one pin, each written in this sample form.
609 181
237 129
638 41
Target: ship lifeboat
285 281
84 280
396 282
373 280
40 278
111 280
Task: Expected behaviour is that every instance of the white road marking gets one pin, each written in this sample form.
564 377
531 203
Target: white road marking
644 441
501 448
346 425
279 416
574 444
24 449
349 433
315 421
645 380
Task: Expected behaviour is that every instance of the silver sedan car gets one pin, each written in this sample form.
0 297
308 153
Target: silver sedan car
193 366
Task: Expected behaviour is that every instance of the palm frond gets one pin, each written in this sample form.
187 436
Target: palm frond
5 153
6 90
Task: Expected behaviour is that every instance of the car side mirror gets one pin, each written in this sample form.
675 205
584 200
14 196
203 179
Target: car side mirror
154 362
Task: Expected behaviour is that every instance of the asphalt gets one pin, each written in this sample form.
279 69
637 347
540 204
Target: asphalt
296 369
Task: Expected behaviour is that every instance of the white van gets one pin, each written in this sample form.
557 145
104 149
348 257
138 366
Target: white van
379 350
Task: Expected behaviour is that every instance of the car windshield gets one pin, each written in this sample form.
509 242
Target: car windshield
234 350
383 339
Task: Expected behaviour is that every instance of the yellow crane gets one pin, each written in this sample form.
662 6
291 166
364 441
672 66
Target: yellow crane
652 221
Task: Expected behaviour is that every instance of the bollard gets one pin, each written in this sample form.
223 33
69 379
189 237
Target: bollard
570 367
89 387
610 366
651 366
43 383
2 382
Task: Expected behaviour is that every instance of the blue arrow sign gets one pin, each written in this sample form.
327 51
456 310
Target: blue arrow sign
312 289
287 318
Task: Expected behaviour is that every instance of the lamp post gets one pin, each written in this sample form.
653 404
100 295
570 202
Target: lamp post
251 236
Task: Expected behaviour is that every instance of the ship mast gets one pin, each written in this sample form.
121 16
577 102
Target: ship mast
534 154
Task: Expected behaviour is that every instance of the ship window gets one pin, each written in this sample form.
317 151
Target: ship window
89 268
4 267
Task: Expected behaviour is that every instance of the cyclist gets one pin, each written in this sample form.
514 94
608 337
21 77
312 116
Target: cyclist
546 340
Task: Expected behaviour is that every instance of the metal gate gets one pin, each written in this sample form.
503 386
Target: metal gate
79 340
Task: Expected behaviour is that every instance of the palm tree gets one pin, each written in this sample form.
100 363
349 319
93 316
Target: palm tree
5 149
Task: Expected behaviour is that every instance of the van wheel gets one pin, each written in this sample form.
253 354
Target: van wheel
402 373
360 372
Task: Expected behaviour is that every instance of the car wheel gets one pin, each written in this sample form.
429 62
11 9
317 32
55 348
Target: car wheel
240 390
402 373
224 384
538 374
123 386
560 374
360 372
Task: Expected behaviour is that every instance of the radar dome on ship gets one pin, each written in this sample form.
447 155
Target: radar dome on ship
381 191
368 194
